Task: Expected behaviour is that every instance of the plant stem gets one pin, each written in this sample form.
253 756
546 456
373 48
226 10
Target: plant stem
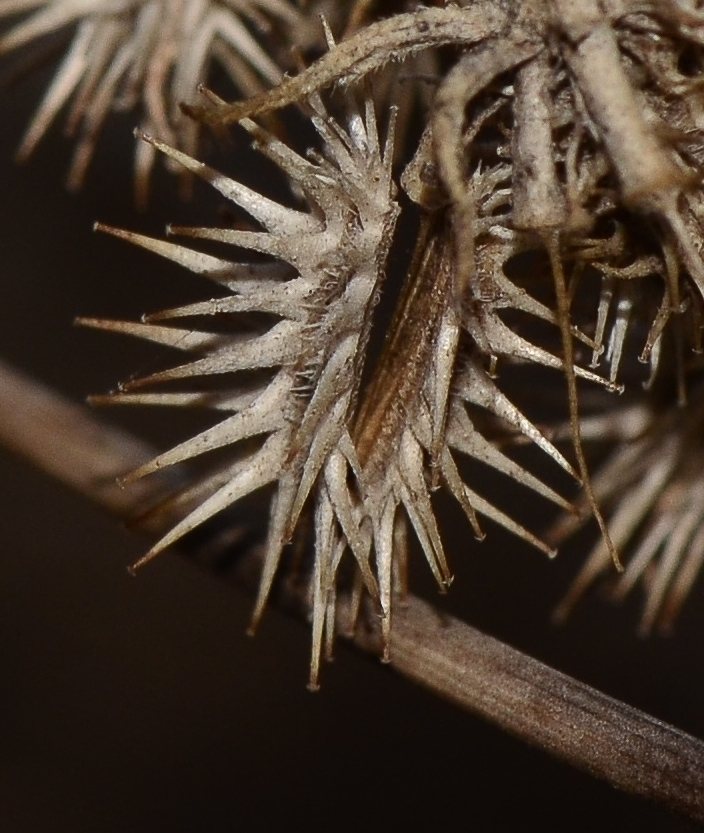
578 724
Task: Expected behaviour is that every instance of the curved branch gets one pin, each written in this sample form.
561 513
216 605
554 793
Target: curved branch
370 49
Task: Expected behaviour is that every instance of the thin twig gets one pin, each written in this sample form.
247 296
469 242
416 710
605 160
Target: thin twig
550 710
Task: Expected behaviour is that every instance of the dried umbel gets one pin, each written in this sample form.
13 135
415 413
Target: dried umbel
146 53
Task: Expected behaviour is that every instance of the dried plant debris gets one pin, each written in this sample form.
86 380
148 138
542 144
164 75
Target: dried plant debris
149 54
653 486
583 154
593 165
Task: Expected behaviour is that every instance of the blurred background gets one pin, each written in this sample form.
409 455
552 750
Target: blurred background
141 705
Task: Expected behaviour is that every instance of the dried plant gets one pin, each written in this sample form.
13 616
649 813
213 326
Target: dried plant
150 54
558 223
526 158
609 157
652 483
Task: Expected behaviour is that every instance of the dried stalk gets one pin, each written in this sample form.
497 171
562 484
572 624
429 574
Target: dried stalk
578 724
550 710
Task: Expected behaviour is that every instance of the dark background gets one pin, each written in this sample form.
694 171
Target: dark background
141 705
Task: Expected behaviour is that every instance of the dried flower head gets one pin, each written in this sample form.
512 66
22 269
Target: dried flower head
353 459
530 175
146 53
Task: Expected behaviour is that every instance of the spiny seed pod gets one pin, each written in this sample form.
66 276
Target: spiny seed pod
353 458
527 158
